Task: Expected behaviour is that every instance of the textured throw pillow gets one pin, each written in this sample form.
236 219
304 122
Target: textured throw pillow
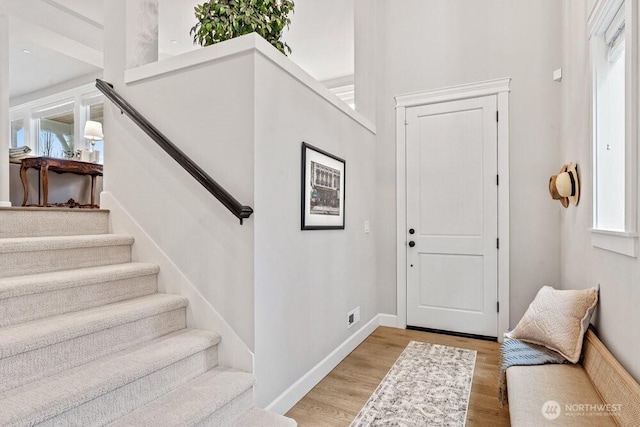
558 320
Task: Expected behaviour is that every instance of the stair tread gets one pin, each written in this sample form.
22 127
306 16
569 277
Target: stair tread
53 395
40 333
52 209
33 244
32 222
192 402
262 418
45 282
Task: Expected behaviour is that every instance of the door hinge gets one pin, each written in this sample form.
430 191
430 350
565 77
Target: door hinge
497 116
497 179
498 243
498 306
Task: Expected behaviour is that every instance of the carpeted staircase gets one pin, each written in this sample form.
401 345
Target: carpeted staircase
86 339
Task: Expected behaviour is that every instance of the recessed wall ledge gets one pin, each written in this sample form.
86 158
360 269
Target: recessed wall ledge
621 242
239 46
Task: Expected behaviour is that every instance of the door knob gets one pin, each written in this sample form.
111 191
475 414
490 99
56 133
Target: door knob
412 243
411 231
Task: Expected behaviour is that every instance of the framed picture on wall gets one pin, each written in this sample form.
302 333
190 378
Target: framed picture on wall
323 184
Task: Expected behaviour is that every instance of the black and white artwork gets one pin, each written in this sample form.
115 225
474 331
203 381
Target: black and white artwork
323 179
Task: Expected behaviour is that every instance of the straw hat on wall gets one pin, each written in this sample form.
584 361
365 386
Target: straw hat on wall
565 187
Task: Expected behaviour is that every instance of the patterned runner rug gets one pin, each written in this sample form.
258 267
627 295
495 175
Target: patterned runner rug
429 385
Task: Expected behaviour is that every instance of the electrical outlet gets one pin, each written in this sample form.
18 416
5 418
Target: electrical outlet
353 317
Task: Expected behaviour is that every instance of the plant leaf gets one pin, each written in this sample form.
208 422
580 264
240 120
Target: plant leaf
220 20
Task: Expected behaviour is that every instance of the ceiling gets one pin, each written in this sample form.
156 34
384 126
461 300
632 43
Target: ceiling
58 41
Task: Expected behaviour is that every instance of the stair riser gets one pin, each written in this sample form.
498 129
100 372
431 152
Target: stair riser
40 305
114 404
23 263
230 413
221 389
48 222
33 365
264 418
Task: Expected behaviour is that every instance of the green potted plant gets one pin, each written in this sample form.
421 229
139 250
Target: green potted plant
220 20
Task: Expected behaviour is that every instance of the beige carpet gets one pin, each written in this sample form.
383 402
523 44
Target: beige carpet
86 339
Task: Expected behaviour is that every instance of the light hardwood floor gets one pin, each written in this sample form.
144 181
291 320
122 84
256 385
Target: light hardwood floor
338 398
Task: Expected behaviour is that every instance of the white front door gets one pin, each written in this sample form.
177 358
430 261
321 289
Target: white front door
452 216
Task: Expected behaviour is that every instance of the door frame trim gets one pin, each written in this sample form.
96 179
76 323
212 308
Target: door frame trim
500 88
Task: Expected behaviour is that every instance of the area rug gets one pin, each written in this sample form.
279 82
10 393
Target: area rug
429 385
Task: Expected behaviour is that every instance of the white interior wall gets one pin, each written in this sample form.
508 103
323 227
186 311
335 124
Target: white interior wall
5 141
583 266
428 44
367 69
303 295
208 113
306 281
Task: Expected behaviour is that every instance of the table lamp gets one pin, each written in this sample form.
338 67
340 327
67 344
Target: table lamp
93 132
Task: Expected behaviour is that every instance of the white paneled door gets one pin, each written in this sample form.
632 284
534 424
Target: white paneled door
452 216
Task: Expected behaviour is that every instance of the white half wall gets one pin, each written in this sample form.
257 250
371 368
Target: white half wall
430 44
207 112
241 110
306 281
583 266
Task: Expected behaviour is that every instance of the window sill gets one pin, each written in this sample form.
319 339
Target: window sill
615 241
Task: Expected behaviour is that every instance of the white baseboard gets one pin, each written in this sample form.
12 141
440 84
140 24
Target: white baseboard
390 320
293 394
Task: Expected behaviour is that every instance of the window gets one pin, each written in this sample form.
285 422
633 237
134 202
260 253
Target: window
614 174
17 133
610 147
55 130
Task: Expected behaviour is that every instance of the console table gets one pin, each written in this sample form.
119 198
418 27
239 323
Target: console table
46 164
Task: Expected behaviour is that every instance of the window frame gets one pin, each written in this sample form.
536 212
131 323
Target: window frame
603 13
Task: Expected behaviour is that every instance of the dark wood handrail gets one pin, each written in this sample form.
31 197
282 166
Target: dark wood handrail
236 208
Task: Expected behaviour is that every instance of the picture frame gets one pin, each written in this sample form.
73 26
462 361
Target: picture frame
322 190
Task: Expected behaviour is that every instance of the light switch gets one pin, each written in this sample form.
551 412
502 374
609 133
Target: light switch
557 75
366 226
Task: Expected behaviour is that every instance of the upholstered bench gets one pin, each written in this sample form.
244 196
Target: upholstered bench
596 392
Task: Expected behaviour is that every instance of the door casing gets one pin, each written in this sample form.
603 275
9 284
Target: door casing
500 88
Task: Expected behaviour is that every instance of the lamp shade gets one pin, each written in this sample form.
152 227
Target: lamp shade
93 130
